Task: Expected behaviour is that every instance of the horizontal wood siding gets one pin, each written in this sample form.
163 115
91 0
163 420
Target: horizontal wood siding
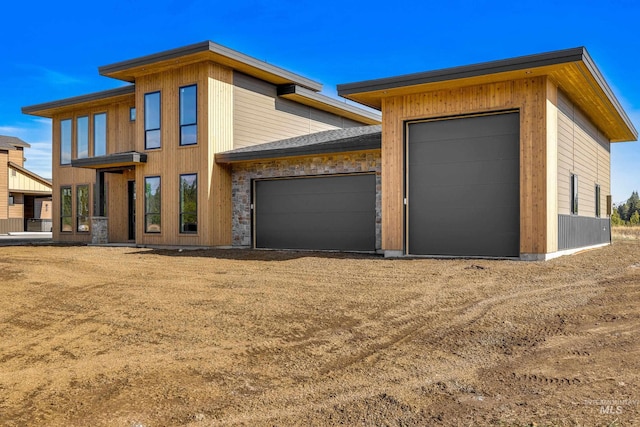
584 151
261 116
17 210
529 96
4 184
17 157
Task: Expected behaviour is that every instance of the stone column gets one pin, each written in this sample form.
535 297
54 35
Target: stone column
99 230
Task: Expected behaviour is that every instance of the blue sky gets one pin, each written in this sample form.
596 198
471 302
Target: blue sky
52 50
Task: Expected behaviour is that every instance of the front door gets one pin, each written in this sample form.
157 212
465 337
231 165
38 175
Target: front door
131 185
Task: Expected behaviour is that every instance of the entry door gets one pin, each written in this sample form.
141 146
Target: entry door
131 185
464 186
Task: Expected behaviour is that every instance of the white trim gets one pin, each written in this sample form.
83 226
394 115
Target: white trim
552 255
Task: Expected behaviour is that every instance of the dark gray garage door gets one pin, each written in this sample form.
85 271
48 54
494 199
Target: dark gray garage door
335 213
463 185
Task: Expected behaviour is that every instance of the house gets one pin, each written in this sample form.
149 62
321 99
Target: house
25 204
503 159
137 163
523 144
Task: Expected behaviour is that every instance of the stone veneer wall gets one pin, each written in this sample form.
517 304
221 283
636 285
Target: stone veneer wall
244 173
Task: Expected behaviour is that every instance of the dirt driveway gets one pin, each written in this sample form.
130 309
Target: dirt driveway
137 337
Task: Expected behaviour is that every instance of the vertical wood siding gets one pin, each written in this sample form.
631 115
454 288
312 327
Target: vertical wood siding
529 96
585 151
4 184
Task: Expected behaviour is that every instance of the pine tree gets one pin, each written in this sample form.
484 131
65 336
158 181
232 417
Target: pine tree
635 218
615 218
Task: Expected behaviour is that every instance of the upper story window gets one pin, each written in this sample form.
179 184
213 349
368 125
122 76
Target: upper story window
82 137
65 142
188 115
152 120
132 114
100 134
574 194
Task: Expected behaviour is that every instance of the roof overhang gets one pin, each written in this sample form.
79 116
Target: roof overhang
322 102
572 70
49 109
204 51
111 161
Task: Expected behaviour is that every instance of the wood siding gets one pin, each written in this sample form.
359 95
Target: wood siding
585 151
4 184
17 209
529 96
21 182
261 116
215 133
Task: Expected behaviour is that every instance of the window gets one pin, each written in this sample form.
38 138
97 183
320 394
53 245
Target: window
11 202
152 204
82 135
132 114
574 194
188 115
100 134
152 120
65 142
66 213
82 208
189 203
597 200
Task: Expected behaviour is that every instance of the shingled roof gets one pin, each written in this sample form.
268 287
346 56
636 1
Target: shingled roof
11 142
331 141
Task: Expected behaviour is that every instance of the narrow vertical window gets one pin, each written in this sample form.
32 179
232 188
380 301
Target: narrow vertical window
152 120
82 208
152 204
132 114
65 142
188 115
189 203
82 137
574 194
66 212
598 201
100 134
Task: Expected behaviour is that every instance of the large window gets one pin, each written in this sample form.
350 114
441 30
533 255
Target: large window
82 137
100 134
152 120
66 211
65 142
574 194
189 203
82 208
598 201
188 115
152 203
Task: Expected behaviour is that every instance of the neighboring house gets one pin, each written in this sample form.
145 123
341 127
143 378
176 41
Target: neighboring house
210 147
137 163
25 201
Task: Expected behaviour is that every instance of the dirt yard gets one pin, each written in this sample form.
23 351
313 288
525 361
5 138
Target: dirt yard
95 336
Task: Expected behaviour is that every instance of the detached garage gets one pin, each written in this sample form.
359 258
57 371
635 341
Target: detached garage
482 160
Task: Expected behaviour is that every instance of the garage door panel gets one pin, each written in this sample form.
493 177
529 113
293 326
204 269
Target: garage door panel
334 213
463 186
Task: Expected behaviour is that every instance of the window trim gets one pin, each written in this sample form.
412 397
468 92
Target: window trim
182 212
78 216
62 141
94 134
190 124
159 128
62 213
146 211
598 202
574 196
